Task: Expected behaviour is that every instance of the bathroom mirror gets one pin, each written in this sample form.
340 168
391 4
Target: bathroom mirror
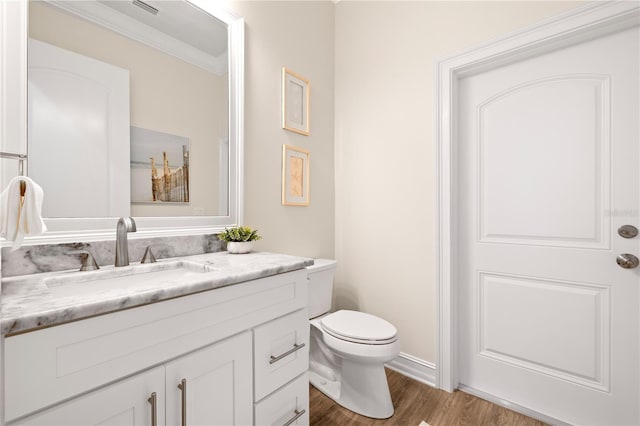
174 160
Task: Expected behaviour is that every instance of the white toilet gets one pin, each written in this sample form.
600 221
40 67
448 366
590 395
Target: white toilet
348 349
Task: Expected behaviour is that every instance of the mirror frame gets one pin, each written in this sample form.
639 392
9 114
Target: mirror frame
13 66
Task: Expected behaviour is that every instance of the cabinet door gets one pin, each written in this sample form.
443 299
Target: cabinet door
212 386
121 404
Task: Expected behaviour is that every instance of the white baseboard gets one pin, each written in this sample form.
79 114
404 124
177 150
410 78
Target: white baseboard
416 368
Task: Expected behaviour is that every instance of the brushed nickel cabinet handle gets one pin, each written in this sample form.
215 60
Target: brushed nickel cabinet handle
153 400
296 347
183 387
297 415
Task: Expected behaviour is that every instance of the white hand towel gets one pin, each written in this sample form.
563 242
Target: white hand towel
21 217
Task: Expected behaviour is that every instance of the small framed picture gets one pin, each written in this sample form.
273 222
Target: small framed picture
295 176
159 167
295 102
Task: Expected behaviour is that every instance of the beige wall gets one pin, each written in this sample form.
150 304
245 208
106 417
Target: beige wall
385 180
379 220
299 36
167 95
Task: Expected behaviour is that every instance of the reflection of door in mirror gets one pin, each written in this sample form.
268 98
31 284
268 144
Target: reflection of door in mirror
168 94
78 117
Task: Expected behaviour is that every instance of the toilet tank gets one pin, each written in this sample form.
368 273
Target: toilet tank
320 286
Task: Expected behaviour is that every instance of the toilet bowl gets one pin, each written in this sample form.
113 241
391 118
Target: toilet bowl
348 349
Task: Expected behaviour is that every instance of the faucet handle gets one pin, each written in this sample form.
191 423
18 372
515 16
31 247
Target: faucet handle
148 256
89 261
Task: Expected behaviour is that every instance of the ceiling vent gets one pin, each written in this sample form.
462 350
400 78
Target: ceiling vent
145 6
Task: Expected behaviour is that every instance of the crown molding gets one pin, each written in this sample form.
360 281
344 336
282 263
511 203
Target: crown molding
122 24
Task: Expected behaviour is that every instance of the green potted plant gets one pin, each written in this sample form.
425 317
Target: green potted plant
239 239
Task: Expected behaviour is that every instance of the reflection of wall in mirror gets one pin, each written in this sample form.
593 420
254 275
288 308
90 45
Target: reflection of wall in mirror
167 95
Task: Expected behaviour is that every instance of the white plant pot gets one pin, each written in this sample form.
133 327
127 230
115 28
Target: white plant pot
239 247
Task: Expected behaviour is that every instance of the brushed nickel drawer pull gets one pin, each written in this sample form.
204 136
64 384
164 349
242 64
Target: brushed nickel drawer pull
296 417
295 347
154 409
183 387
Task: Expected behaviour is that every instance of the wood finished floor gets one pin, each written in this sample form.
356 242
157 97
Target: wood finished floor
415 402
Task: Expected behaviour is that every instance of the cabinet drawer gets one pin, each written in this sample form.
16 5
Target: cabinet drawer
281 352
288 403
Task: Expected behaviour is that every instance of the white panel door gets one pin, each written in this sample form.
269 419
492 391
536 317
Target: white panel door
549 159
78 122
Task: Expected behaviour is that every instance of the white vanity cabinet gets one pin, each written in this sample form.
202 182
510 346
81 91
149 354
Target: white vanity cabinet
201 354
215 389
217 380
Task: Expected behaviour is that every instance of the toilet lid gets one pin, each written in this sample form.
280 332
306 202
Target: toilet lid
359 327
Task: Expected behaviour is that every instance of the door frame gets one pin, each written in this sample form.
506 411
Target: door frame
583 23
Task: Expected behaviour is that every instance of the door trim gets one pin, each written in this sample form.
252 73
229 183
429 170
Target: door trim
581 24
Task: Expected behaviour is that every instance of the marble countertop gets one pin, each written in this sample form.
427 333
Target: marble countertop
40 300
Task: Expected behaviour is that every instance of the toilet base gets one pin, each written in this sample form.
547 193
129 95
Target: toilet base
362 389
328 387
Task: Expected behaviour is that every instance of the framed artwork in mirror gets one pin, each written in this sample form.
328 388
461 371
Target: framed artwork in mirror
295 176
159 167
295 102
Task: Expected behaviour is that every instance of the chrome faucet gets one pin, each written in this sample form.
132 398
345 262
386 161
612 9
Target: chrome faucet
125 225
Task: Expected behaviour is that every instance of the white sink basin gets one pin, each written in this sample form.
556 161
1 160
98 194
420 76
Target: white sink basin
111 279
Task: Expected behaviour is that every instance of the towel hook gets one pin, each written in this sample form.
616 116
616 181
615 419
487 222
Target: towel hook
23 184
21 159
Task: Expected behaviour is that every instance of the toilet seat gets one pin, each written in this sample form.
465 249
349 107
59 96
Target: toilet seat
358 327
